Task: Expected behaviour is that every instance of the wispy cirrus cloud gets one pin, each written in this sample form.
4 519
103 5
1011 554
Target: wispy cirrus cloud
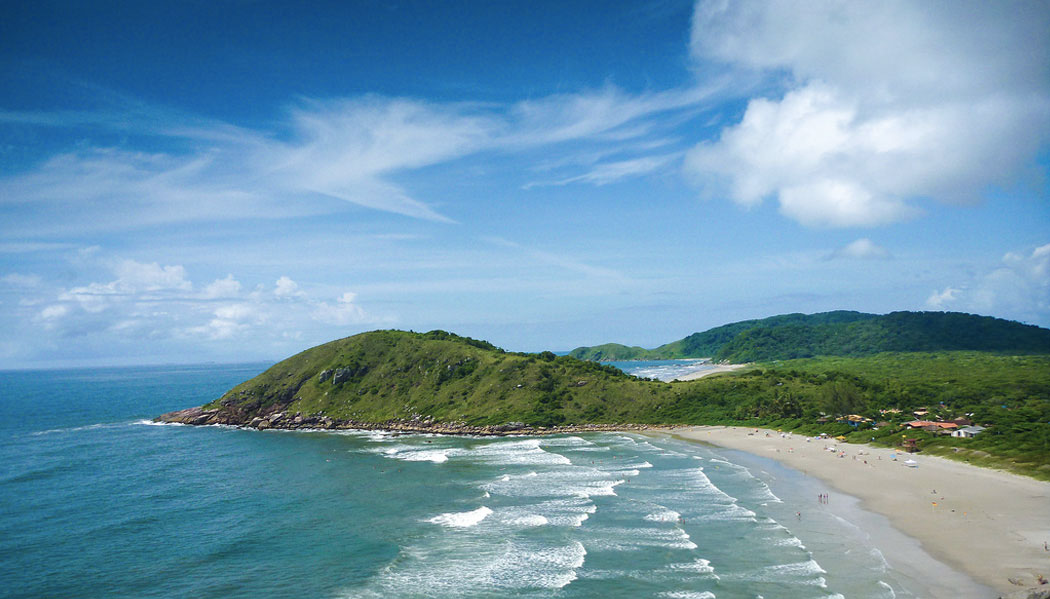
612 172
353 149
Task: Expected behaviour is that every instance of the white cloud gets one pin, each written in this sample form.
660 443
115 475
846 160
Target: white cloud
343 312
135 276
149 300
885 103
286 287
353 149
19 280
1018 289
940 300
861 249
611 172
222 288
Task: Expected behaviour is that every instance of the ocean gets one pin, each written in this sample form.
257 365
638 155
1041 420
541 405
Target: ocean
97 501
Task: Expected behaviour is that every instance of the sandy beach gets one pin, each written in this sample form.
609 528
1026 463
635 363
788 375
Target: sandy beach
709 370
989 524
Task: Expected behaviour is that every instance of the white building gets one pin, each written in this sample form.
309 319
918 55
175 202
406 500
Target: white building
967 431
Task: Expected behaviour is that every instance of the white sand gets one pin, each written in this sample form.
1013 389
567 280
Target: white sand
708 370
987 523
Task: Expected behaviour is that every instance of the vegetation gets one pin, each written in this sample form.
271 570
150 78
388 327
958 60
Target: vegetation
392 375
840 333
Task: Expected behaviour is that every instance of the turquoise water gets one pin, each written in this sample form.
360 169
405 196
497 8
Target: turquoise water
97 502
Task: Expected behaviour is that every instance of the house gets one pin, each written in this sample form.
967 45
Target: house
854 420
963 421
921 412
967 432
932 426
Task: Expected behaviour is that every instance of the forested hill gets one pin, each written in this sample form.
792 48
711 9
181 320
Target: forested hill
438 376
841 333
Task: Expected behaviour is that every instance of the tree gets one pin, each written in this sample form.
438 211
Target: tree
840 398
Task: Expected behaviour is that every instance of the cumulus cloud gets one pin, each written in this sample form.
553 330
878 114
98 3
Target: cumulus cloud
1019 289
222 288
286 287
883 103
160 301
861 249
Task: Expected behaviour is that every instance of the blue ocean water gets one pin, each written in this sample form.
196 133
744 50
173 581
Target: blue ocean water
96 501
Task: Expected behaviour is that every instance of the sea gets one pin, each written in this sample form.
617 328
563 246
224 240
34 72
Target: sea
96 500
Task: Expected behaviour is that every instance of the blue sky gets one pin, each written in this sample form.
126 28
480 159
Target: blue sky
235 181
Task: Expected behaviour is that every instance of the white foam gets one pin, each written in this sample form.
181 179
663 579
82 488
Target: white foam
438 456
632 539
893 594
462 519
153 423
528 520
699 565
663 516
809 572
100 426
574 442
688 594
552 567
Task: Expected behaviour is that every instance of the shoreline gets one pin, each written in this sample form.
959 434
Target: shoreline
282 421
713 369
986 523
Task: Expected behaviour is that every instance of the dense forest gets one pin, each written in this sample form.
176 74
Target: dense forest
840 333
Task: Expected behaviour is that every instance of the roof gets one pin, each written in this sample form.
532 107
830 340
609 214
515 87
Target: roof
926 423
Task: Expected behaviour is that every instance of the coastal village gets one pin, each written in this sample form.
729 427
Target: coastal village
893 418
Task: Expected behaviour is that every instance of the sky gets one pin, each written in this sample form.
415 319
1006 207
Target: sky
237 180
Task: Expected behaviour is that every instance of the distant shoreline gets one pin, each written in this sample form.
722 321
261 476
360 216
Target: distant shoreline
715 369
987 523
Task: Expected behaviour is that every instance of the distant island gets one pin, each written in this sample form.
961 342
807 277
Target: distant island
903 378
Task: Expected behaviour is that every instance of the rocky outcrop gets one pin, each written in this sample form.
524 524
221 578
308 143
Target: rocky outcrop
299 421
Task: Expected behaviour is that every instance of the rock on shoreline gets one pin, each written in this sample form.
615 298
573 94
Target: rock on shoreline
283 421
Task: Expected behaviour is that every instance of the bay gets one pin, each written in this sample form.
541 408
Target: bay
97 501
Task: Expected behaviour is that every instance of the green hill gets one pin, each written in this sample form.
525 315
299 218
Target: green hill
839 333
394 375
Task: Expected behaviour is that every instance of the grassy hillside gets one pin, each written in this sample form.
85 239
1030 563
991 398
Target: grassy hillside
385 375
610 352
840 333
